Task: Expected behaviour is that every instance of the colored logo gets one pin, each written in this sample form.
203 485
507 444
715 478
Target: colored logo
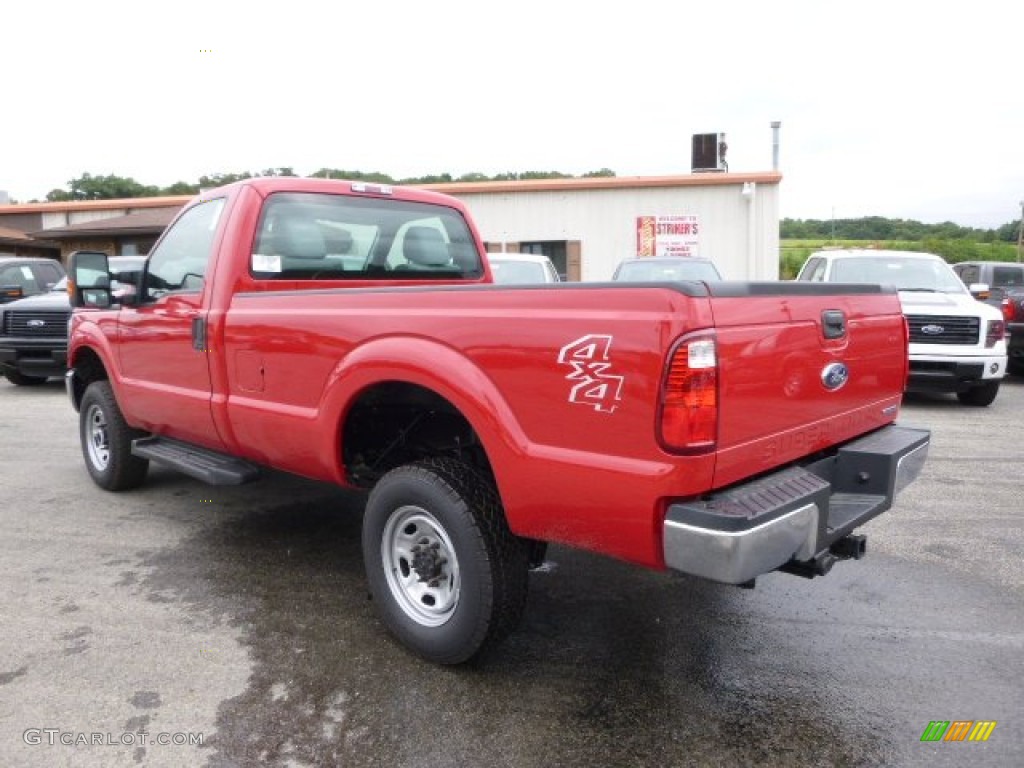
958 730
932 329
834 376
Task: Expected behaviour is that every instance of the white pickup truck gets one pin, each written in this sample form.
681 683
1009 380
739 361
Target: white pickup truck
957 343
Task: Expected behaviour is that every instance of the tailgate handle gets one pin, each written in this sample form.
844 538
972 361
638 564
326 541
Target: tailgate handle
833 323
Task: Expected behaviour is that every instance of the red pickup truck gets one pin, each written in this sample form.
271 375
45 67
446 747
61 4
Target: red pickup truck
351 333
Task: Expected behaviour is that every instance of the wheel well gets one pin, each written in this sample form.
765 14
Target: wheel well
395 423
88 368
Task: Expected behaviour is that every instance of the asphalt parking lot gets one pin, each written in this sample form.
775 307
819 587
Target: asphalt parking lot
182 625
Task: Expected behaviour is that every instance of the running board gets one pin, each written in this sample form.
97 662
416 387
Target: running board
202 464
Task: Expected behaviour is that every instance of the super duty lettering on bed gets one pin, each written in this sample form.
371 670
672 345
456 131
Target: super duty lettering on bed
352 334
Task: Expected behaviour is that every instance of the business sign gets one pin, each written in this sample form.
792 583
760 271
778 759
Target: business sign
667 236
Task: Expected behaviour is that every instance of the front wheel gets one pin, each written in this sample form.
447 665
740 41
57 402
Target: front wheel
448 576
982 395
107 441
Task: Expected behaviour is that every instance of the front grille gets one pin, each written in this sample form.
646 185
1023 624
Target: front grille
36 323
944 329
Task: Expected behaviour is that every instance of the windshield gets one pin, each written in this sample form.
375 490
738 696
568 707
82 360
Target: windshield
906 273
644 271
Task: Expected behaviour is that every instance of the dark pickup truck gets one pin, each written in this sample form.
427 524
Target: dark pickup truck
1001 284
34 329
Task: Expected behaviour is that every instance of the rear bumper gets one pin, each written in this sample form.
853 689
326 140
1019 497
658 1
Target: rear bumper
795 515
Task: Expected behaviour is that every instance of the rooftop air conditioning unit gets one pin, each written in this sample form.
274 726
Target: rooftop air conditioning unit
708 153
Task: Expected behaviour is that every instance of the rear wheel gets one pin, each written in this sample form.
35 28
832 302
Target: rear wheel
107 441
20 379
448 576
982 395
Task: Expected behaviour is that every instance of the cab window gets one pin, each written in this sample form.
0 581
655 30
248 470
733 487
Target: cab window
179 261
314 236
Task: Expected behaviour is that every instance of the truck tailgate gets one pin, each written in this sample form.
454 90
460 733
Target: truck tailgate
802 367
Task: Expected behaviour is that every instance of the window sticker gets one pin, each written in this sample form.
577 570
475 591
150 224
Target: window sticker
263 262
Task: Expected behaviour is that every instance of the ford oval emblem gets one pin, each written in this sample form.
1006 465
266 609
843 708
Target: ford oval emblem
932 329
35 323
834 376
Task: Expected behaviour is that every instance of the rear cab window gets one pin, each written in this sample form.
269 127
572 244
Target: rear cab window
1007 277
317 236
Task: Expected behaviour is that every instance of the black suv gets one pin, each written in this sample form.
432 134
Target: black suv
27 276
34 330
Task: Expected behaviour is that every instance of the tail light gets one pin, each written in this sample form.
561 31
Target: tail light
688 413
995 333
906 349
1010 310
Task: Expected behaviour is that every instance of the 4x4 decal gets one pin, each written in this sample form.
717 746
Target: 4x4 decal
590 359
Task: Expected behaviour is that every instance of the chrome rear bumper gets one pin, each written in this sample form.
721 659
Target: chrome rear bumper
794 515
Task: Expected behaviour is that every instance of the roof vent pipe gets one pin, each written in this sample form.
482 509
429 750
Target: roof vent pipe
776 124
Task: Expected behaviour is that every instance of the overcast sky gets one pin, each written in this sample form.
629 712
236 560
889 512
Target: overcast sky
896 109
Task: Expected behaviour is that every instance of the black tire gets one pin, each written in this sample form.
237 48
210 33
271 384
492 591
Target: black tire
107 441
464 589
981 396
21 380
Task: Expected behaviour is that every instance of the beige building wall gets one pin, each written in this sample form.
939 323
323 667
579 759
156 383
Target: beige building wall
738 217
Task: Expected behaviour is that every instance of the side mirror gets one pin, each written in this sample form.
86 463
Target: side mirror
124 287
980 291
10 293
89 279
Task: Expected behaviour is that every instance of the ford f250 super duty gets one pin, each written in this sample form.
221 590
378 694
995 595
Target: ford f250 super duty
352 333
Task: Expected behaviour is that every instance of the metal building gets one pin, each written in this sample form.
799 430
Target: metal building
588 225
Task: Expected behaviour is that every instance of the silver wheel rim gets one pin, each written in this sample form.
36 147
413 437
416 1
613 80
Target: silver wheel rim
97 439
420 566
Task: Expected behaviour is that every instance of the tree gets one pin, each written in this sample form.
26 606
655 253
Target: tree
277 172
375 177
110 187
181 188
442 178
219 179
